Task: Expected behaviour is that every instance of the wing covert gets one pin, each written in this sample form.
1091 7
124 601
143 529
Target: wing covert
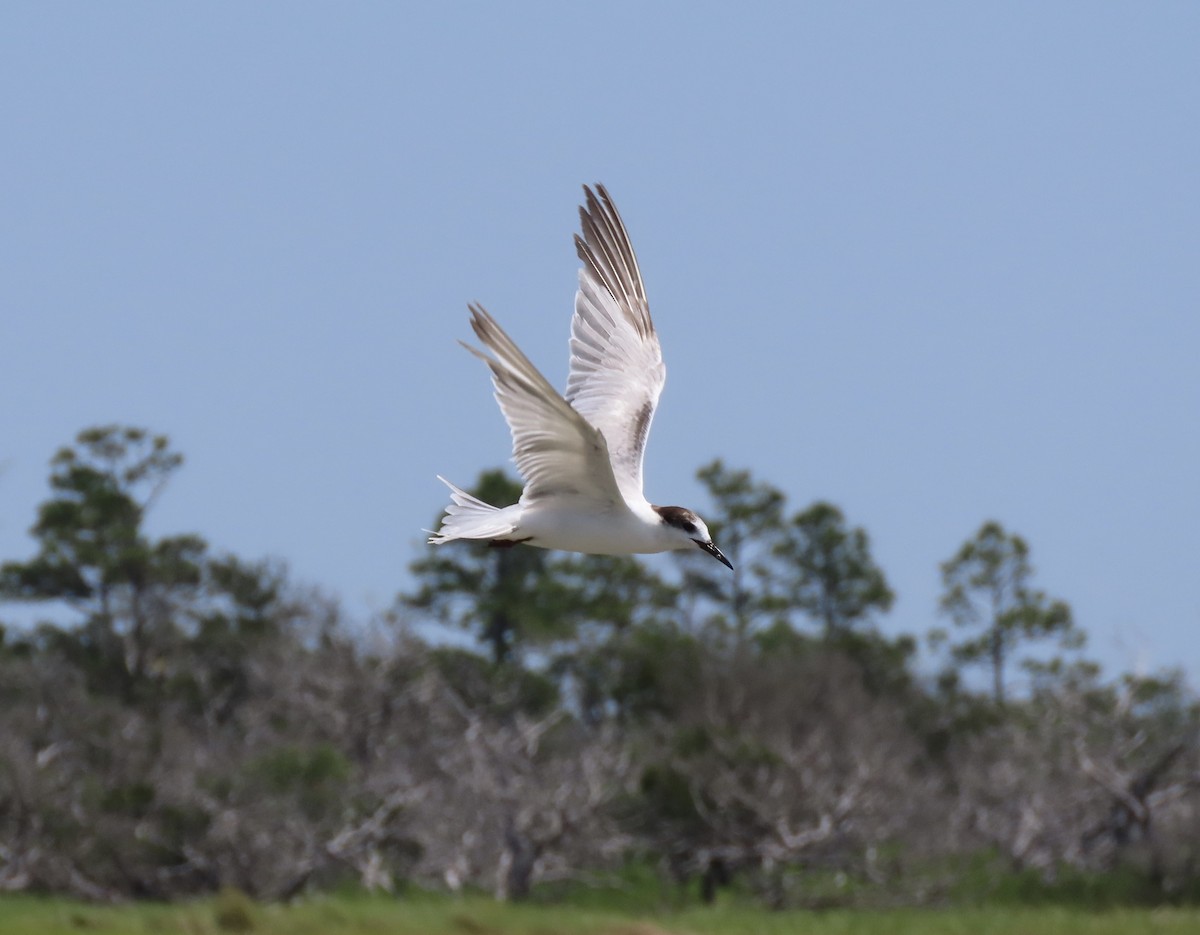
556 451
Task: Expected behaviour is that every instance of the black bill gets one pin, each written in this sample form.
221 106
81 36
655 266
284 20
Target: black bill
714 552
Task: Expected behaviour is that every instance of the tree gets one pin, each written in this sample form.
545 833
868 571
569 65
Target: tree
747 521
831 576
988 589
611 592
770 755
612 600
95 556
243 608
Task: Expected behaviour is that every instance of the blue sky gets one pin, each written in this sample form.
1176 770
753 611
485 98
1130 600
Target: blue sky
936 263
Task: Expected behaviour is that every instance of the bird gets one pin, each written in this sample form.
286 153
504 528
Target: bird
580 453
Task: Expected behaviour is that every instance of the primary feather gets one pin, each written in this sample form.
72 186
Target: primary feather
617 371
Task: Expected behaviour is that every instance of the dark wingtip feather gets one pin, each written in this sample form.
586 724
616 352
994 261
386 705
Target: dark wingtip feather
605 248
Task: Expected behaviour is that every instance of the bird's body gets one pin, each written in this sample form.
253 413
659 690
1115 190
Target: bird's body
581 454
576 524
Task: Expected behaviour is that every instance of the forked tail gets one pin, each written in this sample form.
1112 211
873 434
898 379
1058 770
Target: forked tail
468 517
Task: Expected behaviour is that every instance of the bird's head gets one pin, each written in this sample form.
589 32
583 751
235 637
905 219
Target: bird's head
688 530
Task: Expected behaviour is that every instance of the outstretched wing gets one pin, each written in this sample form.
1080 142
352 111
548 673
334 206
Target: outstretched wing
617 371
557 452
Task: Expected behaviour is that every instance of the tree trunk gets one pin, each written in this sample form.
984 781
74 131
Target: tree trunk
716 875
497 634
516 867
998 665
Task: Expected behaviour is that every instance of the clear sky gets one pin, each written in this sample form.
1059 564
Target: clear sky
936 263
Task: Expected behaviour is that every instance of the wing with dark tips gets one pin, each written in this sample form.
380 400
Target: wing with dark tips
617 371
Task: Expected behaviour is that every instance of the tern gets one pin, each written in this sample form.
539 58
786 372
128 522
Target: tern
581 454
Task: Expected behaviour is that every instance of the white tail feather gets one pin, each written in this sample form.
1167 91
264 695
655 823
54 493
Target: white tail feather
468 517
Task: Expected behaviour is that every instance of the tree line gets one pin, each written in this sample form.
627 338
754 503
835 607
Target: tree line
201 720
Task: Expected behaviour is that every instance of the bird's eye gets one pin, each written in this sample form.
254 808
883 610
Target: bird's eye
689 527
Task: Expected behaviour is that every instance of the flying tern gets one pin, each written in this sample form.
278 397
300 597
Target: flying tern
581 454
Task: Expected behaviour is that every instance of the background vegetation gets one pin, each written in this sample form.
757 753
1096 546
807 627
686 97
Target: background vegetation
195 722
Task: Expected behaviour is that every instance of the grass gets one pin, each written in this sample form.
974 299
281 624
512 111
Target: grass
980 897
437 915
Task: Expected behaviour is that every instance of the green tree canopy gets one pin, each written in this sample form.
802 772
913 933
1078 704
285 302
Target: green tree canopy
747 522
830 574
988 591
94 555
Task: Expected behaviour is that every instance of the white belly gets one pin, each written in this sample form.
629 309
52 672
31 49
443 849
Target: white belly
576 528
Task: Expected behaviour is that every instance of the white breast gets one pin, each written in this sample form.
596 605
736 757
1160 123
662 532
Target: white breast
575 526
